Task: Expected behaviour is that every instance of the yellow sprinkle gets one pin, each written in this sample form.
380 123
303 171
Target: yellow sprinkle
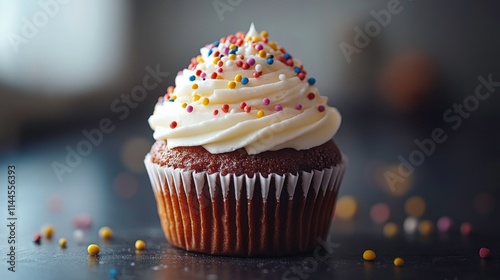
184 105
415 206
173 97
205 101
232 56
48 231
199 59
231 85
216 60
264 33
248 38
238 78
260 114
391 229
255 39
140 245
232 46
106 232
194 86
93 249
262 53
369 255
426 227
196 97
399 262
273 45
346 208
220 77
63 242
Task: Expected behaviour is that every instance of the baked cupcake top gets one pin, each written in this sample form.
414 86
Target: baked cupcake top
244 91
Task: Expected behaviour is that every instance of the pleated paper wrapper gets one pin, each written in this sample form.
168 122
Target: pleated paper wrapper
234 215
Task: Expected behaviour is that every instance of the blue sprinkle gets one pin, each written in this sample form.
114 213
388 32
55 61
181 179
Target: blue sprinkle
171 100
221 56
244 80
216 43
311 81
210 52
297 70
113 273
287 56
204 79
192 78
233 51
270 61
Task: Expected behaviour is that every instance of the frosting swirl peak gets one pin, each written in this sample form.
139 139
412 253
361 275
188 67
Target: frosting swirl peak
244 91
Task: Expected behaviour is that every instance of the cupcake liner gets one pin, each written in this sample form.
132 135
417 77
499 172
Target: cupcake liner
245 215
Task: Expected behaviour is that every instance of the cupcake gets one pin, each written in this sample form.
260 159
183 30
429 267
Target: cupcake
244 163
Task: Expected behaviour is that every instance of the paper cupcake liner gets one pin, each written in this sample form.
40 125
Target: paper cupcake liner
242 215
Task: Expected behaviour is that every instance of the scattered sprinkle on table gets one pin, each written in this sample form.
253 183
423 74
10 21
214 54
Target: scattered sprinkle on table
484 253
48 231
37 238
113 273
399 262
140 245
93 249
63 242
105 233
369 255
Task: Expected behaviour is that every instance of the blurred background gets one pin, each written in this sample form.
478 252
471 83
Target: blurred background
395 70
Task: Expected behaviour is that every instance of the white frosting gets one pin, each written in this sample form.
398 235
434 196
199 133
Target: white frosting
225 132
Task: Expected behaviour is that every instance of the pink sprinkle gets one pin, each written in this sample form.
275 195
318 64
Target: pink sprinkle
233 40
82 221
321 108
251 61
189 108
226 50
444 224
298 107
203 75
266 101
484 253
219 70
278 108
379 212
259 47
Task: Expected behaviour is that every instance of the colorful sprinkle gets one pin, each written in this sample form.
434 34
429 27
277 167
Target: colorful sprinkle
321 108
184 105
231 85
203 75
484 253
225 108
398 262
192 78
257 74
270 61
232 56
93 249
244 80
243 105
298 107
311 95
239 63
287 56
196 97
63 242
220 69
48 231
213 75
189 108
282 77
266 101
259 47
258 68
173 124
113 273
37 238
140 245
194 86
245 66
106 232
369 255
278 108
264 33
297 70
301 76
216 60
229 63
215 112
238 78
262 53
260 114
311 81
205 101
247 109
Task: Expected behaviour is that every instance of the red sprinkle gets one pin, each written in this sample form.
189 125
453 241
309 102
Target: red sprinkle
220 63
289 62
239 63
225 108
37 237
216 54
257 74
301 76
198 72
173 124
213 75
246 65
282 59
484 253
243 105
216 112
248 109
311 95
321 108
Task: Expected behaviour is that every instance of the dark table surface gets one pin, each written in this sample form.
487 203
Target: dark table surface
435 257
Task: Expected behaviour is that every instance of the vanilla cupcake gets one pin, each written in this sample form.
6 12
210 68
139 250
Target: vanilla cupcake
244 163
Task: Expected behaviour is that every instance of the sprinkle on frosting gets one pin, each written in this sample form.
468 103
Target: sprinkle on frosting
272 82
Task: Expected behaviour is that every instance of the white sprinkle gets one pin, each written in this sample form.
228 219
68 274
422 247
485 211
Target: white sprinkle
282 77
229 63
258 67
410 225
79 236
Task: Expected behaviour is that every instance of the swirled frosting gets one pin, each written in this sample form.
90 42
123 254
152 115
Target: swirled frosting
244 91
